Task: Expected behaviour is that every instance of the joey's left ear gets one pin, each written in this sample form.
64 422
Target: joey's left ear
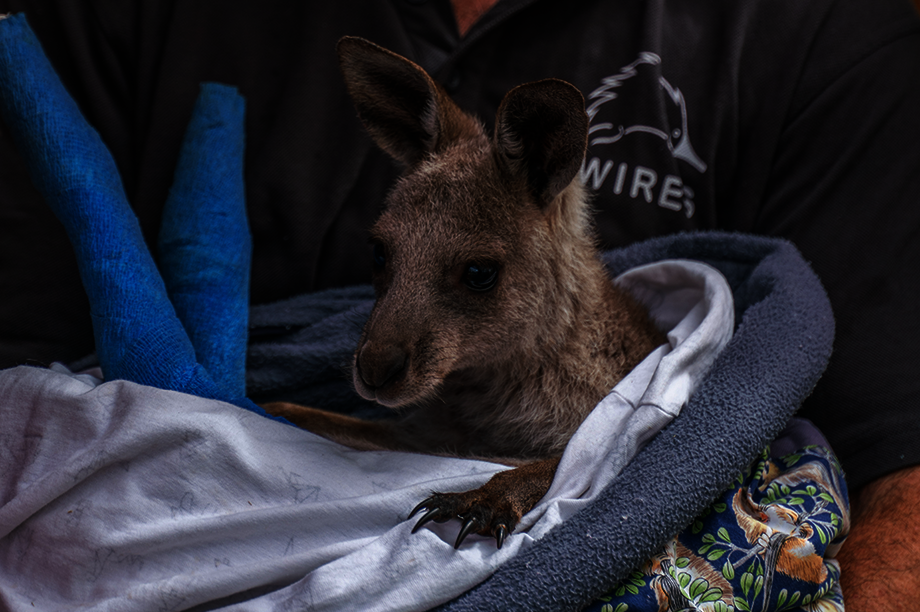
406 113
541 133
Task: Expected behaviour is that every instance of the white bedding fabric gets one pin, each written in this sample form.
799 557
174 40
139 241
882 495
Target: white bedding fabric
117 496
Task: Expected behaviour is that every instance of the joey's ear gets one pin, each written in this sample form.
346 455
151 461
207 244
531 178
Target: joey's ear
541 133
406 113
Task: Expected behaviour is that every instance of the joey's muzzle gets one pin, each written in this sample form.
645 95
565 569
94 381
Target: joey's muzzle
378 367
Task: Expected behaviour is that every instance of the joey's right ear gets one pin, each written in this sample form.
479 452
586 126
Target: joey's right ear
541 133
406 113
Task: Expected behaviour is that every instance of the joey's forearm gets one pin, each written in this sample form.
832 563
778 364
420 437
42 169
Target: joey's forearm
348 431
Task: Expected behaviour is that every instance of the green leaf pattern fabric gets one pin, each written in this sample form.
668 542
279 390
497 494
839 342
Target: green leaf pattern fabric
766 544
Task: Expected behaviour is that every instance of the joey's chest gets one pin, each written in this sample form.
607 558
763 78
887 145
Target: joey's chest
508 422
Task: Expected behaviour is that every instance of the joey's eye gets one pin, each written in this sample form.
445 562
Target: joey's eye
380 256
480 276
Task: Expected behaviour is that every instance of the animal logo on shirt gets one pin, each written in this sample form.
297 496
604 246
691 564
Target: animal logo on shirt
669 124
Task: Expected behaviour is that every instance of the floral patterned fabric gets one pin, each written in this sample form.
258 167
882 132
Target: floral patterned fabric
766 544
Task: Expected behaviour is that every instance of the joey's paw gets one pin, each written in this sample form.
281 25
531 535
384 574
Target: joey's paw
495 508
485 515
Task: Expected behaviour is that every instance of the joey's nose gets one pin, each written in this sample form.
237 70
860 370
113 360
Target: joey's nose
380 365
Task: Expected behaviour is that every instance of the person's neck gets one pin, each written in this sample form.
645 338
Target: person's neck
467 12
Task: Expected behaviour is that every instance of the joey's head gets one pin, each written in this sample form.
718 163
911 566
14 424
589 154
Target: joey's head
481 242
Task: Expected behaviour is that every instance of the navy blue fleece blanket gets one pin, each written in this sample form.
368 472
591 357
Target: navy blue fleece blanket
300 349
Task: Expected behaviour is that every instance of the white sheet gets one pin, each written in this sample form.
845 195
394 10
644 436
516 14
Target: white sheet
117 496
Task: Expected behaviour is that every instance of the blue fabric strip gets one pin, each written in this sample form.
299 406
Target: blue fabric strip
205 249
138 335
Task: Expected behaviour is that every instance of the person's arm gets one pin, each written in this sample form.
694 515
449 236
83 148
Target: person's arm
879 560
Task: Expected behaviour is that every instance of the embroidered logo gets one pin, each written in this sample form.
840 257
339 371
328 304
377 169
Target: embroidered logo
670 192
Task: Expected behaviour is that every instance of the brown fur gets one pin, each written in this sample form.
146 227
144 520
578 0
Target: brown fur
511 371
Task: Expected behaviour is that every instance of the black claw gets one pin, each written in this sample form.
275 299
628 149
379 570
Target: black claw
428 516
500 534
424 504
468 526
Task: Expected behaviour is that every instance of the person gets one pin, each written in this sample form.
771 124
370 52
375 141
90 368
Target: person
782 118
